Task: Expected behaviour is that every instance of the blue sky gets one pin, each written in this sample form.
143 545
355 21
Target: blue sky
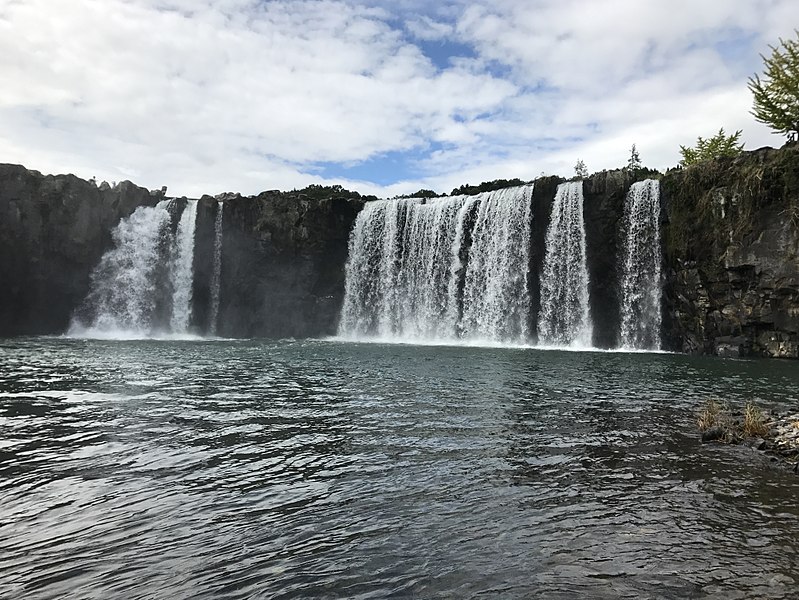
206 96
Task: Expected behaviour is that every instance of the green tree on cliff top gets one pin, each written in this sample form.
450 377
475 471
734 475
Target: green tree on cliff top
718 146
634 162
776 95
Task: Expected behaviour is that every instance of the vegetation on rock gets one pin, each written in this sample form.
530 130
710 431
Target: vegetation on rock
718 423
718 146
776 434
486 186
717 202
320 192
423 193
634 162
776 95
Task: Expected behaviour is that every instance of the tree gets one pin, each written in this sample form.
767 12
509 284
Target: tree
486 186
634 162
423 193
580 170
776 96
720 145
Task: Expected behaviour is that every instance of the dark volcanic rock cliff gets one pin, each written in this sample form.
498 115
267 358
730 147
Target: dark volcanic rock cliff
53 230
283 263
732 255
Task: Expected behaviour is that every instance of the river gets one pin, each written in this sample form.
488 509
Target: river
321 469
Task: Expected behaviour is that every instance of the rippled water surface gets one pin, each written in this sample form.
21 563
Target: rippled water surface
157 469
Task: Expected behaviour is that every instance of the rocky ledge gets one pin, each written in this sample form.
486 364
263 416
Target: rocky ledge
774 433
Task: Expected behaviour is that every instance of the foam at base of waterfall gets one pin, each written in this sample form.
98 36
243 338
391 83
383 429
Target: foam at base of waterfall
478 343
95 333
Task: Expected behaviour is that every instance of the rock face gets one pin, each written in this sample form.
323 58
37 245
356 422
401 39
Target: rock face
283 261
732 255
53 230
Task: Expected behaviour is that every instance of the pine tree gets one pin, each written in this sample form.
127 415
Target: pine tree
634 162
776 96
580 170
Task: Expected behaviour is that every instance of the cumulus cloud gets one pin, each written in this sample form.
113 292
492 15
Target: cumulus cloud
214 95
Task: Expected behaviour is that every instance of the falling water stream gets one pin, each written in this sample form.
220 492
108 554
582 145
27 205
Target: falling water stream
216 277
564 319
182 271
641 260
143 284
125 283
441 269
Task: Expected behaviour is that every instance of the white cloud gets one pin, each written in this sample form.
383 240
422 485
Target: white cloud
206 96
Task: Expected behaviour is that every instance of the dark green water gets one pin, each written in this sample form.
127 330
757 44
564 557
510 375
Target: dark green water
326 470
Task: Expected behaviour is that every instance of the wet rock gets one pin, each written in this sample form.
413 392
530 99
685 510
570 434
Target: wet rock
712 434
283 264
731 347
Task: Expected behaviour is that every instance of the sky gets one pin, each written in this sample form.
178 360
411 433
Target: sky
384 97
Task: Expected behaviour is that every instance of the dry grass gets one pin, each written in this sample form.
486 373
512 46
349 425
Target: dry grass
755 424
710 415
733 429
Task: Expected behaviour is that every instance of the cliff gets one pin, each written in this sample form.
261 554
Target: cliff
53 230
730 234
283 261
731 241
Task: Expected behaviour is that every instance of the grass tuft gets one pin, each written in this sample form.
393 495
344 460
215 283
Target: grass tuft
755 424
710 415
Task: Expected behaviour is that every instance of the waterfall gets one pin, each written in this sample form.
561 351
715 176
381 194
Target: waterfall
441 269
124 284
496 301
142 286
183 269
564 319
397 269
640 282
216 277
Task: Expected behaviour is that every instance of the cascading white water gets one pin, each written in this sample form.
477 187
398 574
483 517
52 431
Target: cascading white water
641 263
564 318
377 278
216 277
409 279
182 271
125 282
496 301
143 286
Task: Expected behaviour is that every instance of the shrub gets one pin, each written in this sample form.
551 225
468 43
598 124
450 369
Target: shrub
718 146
